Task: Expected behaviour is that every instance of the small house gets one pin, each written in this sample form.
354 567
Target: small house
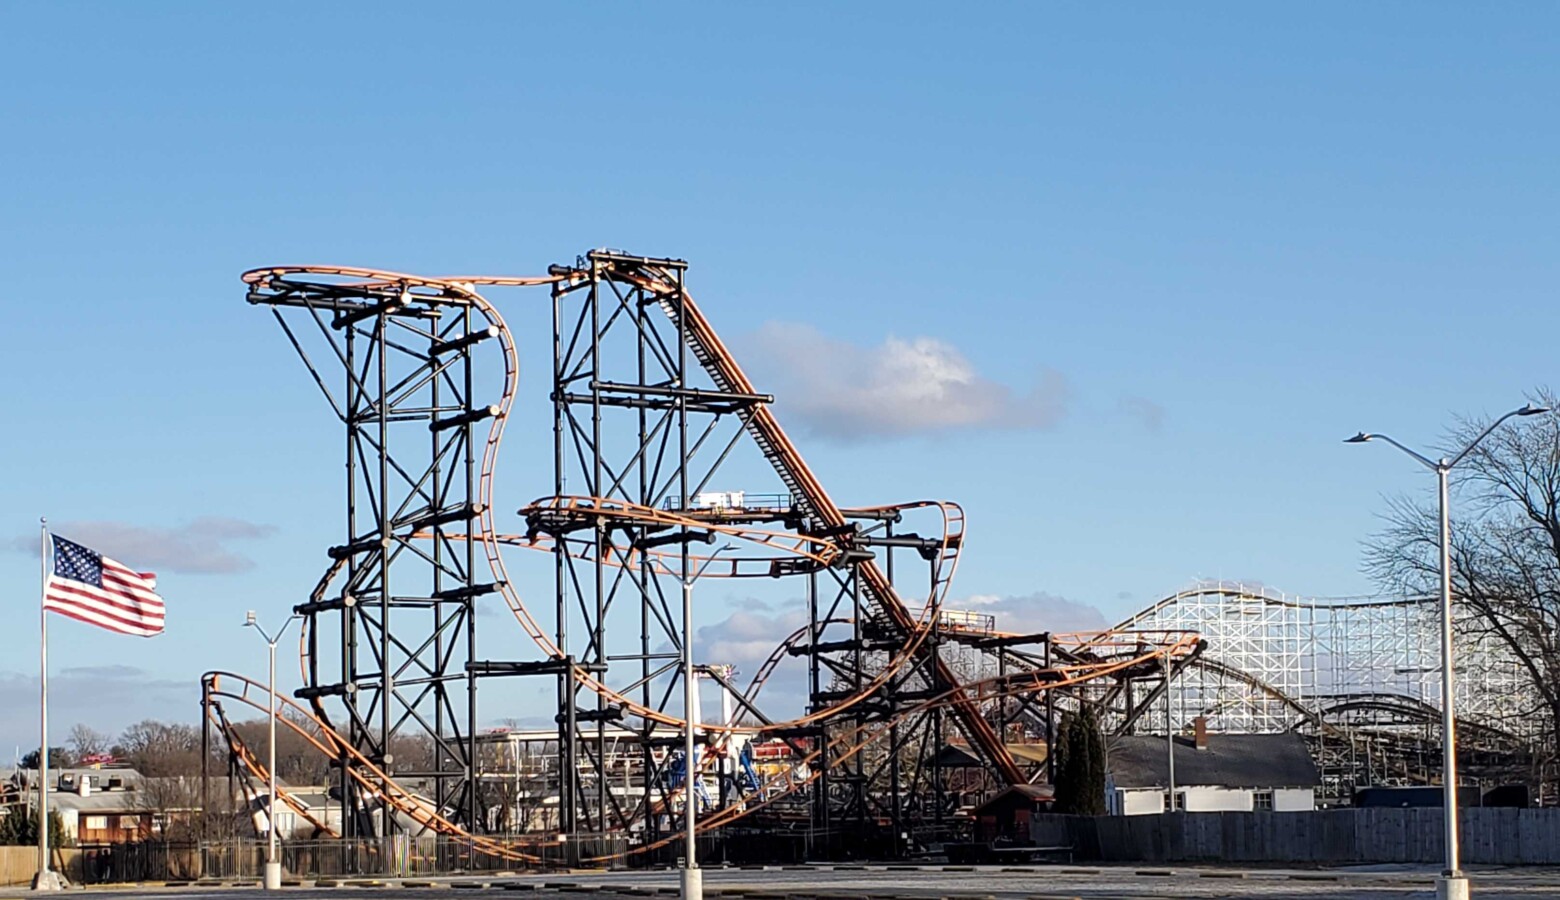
1213 773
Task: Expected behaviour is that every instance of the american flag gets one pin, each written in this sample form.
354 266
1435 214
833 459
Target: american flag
89 586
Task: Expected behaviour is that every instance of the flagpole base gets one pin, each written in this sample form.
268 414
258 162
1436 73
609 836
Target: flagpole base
692 883
273 876
1451 887
48 880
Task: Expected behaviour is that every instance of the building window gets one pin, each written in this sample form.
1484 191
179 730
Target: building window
1261 799
1177 801
130 823
97 823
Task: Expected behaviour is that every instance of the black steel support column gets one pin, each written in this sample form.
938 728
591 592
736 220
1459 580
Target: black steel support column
390 630
629 423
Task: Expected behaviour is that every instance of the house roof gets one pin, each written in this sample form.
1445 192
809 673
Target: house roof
956 755
71 774
108 802
1230 760
1018 795
312 797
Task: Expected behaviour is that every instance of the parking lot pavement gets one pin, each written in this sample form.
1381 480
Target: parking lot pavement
889 882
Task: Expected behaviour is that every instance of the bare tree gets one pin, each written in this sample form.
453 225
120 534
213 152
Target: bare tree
1505 548
413 752
87 741
298 761
174 802
157 749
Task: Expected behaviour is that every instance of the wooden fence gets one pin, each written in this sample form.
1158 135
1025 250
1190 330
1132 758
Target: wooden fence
18 865
1489 835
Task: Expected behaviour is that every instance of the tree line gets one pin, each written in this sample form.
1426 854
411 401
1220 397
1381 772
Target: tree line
158 749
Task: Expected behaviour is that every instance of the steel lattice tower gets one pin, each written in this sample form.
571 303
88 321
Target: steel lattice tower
391 627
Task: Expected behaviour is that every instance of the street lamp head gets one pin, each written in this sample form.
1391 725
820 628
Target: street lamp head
1532 410
249 619
1360 438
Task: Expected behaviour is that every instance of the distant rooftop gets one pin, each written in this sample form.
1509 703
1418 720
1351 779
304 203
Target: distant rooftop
1230 760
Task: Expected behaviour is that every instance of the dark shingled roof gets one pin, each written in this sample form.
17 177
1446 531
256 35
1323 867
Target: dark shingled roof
955 755
1230 760
1027 795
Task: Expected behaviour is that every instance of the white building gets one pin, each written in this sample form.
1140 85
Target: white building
1213 773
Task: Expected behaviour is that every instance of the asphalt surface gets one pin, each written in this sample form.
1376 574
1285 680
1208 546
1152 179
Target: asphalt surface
891 882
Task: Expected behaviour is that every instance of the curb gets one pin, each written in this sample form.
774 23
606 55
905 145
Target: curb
756 892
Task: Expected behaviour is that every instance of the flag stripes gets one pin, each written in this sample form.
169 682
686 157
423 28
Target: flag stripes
92 588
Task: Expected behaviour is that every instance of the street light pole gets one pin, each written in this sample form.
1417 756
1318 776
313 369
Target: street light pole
1452 885
692 877
273 865
1169 734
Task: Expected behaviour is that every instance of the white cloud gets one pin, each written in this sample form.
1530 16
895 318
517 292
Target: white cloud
746 639
1034 613
199 546
106 697
839 390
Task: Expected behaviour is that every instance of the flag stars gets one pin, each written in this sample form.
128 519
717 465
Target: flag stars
73 561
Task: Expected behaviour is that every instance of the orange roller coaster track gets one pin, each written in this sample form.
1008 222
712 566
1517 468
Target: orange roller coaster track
648 404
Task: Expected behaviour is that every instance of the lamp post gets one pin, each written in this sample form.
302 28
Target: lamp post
273 865
692 877
1169 733
1452 884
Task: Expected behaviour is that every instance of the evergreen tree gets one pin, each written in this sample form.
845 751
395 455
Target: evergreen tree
1061 745
1091 788
1080 765
59 758
19 828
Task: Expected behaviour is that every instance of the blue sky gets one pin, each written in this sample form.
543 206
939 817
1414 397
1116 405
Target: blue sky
1190 249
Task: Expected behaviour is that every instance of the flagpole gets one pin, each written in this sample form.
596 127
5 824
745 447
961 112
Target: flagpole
46 879
43 706
80 571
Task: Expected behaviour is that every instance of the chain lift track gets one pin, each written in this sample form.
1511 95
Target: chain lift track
648 404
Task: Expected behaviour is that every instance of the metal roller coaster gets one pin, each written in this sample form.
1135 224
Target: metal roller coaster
912 709
649 408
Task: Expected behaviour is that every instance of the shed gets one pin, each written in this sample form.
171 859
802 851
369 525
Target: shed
1007 814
